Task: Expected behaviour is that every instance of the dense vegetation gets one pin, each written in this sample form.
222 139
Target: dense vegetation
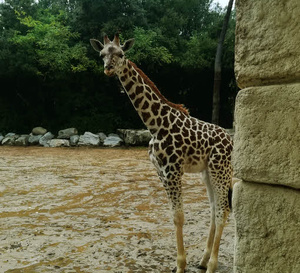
50 76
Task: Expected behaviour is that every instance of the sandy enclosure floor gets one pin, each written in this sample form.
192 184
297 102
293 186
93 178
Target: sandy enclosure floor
96 210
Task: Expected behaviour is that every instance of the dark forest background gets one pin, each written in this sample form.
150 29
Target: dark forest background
50 76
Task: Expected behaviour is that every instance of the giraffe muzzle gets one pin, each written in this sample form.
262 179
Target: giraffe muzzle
109 72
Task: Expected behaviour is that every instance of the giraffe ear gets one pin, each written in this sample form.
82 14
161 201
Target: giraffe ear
128 44
98 46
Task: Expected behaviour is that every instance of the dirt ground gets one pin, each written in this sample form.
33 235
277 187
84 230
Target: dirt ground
96 210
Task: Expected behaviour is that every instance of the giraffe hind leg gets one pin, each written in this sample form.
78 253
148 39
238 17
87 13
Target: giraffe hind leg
213 261
212 229
220 207
221 185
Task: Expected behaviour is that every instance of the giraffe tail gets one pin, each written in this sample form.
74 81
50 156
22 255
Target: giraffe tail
230 197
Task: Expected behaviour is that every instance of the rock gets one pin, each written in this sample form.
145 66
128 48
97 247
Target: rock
113 135
9 139
102 137
34 139
67 133
59 143
45 139
267 225
22 140
135 137
259 58
10 134
39 131
1 138
74 140
267 142
89 139
113 140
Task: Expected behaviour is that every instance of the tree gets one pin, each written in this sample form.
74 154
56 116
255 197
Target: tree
218 66
55 79
48 46
147 49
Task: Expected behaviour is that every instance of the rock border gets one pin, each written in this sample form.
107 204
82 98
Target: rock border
69 137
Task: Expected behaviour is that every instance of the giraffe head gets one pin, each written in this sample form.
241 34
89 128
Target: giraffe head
112 53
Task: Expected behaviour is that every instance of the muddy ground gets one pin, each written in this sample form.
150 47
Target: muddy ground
96 210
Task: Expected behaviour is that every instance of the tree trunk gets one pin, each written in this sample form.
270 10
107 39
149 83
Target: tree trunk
218 67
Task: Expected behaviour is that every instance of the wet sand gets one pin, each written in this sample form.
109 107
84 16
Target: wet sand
75 210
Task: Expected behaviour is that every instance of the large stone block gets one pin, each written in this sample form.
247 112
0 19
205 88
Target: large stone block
267 228
267 42
267 138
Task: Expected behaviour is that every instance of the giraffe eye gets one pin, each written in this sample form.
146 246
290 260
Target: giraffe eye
102 55
121 55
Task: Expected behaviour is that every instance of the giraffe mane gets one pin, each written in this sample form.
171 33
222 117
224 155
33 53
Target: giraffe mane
179 107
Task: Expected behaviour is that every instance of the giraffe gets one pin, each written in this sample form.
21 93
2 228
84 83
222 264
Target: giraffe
180 143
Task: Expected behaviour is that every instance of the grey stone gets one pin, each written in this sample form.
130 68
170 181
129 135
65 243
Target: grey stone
10 134
267 47
135 137
59 143
45 139
38 131
34 139
74 140
267 138
1 138
22 140
113 135
267 228
9 139
113 140
102 137
89 139
67 133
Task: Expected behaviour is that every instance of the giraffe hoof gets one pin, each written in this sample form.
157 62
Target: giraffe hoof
175 270
202 268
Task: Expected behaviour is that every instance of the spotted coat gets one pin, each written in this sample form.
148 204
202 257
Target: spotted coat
180 143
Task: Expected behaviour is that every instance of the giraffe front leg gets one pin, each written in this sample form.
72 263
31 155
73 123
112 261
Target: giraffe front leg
181 257
173 189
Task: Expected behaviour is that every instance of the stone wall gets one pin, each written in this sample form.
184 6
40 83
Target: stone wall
267 141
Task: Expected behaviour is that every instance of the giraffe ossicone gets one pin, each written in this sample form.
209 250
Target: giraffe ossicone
180 143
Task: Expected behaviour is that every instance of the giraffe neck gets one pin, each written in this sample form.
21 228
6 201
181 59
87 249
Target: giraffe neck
153 108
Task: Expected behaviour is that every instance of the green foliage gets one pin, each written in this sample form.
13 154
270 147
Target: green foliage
49 47
50 75
200 52
147 48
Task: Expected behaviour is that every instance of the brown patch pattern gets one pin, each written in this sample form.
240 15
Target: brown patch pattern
181 143
179 107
